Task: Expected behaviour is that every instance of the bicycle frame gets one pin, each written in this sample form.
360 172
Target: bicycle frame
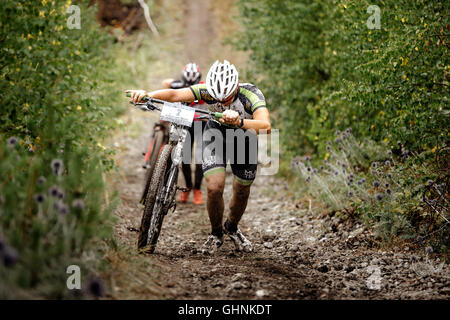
177 138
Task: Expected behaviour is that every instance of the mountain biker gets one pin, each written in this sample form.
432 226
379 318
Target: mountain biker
191 75
244 107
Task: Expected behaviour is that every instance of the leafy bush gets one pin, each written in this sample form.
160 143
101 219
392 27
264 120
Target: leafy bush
323 69
391 193
56 88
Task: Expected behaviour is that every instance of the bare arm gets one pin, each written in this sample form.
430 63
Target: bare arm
170 95
260 121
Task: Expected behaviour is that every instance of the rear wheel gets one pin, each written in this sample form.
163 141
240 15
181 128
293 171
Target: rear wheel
153 210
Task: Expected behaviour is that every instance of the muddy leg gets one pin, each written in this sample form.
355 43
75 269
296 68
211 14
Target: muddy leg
238 204
215 185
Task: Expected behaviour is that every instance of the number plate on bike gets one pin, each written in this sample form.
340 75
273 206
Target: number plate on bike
177 113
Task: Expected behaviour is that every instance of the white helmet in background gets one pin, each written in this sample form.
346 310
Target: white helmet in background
222 80
191 74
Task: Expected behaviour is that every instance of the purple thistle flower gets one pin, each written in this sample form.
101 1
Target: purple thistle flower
328 148
12 141
348 130
61 194
388 191
95 287
337 132
308 178
315 171
57 166
10 256
350 193
39 198
307 158
363 180
359 182
321 167
429 182
41 180
429 250
344 136
388 163
337 140
389 176
389 152
329 143
54 191
308 169
336 173
379 197
376 184
78 204
386 185
374 164
348 183
372 172
63 209
340 148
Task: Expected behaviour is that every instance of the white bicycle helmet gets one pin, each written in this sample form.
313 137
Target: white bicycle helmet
222 80
191 74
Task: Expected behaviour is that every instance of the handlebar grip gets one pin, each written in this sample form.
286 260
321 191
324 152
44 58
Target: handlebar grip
128 94
218 115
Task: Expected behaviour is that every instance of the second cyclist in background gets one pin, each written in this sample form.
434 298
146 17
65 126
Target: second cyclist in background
191 75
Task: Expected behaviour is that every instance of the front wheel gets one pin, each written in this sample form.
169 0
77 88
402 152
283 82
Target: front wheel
158 140
160 198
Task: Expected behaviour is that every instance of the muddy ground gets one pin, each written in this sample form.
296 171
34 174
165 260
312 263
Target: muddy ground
299 253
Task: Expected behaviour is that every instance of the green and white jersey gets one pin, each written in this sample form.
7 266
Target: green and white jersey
248 99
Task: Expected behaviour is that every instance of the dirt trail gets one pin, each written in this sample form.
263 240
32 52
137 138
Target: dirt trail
298 254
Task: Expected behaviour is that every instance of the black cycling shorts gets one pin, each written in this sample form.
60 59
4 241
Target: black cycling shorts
222 144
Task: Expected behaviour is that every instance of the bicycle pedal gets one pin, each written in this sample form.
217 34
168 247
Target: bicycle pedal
183 189
145 166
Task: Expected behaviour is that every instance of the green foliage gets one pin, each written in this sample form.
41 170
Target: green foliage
58 89
397 195
323 69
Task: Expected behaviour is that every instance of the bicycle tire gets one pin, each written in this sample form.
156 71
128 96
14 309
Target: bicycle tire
157 142
160 209
155 182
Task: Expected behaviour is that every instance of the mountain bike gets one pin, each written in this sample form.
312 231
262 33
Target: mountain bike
160 194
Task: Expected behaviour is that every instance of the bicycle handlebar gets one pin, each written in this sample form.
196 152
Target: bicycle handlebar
150 102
